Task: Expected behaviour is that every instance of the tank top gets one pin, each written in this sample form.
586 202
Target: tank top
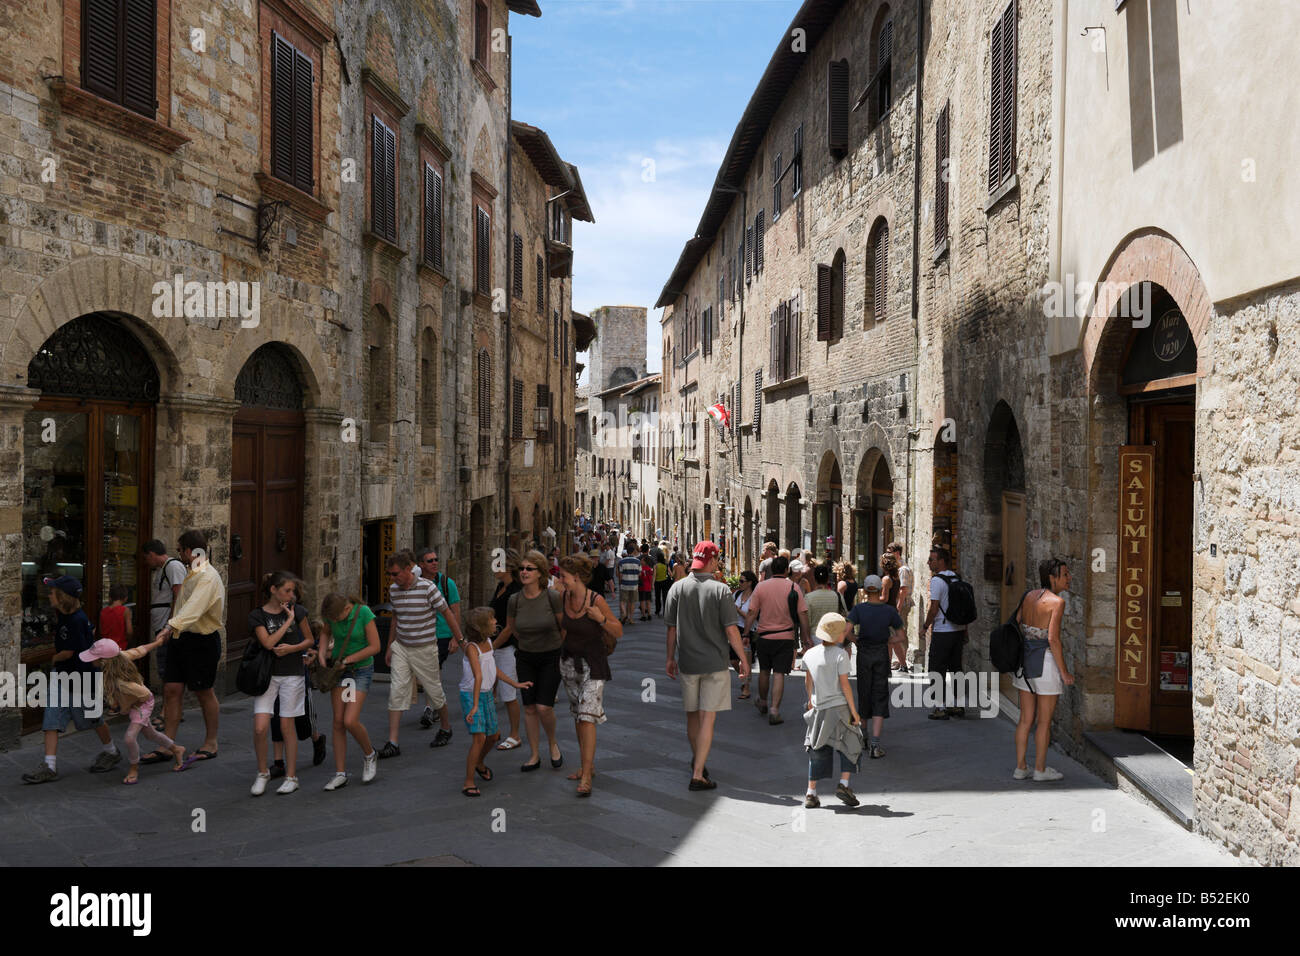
487 665
850 592
584 639
112 624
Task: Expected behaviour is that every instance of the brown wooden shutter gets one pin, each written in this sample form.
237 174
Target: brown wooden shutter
484 405
517 409
758 241
518 266
303 102
735 410
281 108
383 184
995 107
390 181
100 58
432 217
783 341
941 177
482 246
758 401
837 107
884 67
774 346
555 334
749 251
796 335
824 326
541 286
139 57
880 290
1008 152
776 187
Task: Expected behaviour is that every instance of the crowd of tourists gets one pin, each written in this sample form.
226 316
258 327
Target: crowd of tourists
552 621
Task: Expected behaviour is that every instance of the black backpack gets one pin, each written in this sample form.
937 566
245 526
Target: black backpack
961 600
1006 643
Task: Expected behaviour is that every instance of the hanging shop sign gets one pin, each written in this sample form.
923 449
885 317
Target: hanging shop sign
1136 527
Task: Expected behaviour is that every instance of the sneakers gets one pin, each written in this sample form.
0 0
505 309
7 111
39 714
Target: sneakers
389 749
338 781
277 769
876 752
846 795
426 719
1024 774
810 801
259 785
42 774
938 714
958 712
703 784
289 786
369 766
105 762
318 751
1048 775
442 738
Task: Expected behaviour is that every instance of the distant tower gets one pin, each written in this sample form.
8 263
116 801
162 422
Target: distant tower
619 352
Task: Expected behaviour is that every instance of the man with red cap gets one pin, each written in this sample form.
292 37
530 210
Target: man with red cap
701 619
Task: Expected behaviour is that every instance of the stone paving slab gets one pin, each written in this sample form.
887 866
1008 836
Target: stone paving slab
943 795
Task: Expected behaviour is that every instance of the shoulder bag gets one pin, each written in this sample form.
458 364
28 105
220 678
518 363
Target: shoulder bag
254 674
327 678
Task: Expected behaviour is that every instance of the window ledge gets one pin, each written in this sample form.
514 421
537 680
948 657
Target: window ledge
784 384
81 103
431 272
482 300
278 189
1002 192
484 77
376 241
941 250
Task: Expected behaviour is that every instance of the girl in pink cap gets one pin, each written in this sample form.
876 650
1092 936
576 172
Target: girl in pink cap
124 689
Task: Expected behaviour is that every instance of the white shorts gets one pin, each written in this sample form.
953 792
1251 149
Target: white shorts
292 692
421 663
706 691
506 665
1049 685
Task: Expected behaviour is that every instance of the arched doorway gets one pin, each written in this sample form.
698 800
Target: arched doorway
873 518
87 469
773 512
828 520
267 455
747 541
793 517
1004 489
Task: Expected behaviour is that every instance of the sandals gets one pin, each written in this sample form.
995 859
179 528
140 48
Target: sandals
584 791
530 767
510 743
471 792
484 771
441 739
158 756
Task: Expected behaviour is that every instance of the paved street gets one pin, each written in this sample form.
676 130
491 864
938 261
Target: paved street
943 795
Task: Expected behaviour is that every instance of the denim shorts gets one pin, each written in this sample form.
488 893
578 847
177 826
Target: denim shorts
363 676
821 760
57 717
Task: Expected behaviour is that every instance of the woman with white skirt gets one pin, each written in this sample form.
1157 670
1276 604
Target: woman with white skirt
1043 675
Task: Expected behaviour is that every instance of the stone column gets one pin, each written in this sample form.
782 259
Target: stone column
327 563
15 401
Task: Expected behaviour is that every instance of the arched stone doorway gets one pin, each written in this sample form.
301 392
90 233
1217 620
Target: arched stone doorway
793 517
872 519
1004 493
828 514
267 470
747 539
773 512
88 447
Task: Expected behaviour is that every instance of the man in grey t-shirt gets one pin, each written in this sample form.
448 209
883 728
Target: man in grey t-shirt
765 566
701 619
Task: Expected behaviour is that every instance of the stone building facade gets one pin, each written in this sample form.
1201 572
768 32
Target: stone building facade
277 154
1104 367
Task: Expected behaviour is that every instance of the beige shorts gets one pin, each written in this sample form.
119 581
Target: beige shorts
710 692
415 663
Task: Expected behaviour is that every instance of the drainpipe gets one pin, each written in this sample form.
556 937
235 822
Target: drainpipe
507 462
914 431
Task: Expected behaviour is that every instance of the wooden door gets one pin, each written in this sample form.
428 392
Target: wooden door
266 499
1172 429
1014 574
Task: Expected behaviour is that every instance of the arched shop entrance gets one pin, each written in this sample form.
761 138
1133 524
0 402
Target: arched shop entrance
828 514
267 455
1004 489
873 517
773 513
87 467
793 517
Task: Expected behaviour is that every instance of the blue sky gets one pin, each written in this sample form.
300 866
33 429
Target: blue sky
617 82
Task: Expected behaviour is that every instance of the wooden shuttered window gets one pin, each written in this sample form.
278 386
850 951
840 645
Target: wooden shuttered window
796 164
883 80
880 274
749 253
759 229
837 107
555 334
291 114
484 405
735 410
794 337
517 267
1002 99
119 59
758 401
774 346
517 409
482 251
541 285
941 168
383 180
432 216
825 323
776 188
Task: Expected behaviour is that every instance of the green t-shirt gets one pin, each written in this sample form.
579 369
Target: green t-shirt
452 596
356 623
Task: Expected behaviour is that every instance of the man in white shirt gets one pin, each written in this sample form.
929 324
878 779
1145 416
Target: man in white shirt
903 605
946 638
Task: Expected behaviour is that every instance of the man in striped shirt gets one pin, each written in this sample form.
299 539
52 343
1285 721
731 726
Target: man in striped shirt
413 643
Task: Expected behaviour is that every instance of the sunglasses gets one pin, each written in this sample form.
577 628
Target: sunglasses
526 567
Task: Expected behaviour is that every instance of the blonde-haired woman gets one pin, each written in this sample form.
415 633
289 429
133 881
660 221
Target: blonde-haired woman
533 619
351 640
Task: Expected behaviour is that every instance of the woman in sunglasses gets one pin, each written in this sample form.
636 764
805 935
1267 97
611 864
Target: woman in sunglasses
533 619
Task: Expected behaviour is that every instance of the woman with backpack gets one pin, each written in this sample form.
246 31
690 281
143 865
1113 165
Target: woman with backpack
1043 674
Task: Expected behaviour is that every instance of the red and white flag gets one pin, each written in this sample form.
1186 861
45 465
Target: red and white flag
720 415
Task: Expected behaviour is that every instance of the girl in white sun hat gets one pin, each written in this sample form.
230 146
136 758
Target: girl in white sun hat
831 713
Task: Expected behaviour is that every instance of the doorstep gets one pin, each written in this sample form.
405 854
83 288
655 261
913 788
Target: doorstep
1162 778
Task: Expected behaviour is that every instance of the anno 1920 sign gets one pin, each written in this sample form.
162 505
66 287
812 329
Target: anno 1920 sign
1136 524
